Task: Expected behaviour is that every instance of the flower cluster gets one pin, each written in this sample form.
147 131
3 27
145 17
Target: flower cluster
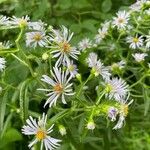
66 86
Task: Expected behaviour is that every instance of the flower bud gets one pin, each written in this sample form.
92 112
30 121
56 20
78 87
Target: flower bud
91 125
45 56
108 88
78 76
94 72
23 23
62 130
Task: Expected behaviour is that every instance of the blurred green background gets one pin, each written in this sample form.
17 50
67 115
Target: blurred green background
83 17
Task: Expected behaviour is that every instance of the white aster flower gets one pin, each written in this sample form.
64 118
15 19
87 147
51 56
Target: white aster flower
149 65
21 22
97 66
123 112
137 6
2 63
116 89
36 38
5 45
59 87
84 44
119 65
37 26
61 47
72 68
38 128
139 57
121 21
102 32
135 42
4 21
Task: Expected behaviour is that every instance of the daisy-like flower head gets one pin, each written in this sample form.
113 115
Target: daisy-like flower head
59 87
36 38
116 89
72 68
102 32
121 21
4 21
123 112
119 65
2 63
5 45
139 57
38 128
135 42
84 44
97 66
21 22
137 6
61 47
112 113
37 26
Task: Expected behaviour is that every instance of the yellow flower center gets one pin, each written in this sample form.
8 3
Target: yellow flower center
71 68
37 37
23 22
65 47
40 135
135 40
58 88
125 109
114 65
120 20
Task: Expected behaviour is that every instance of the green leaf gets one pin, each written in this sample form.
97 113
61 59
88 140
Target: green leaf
3 108
11 135
90 139
146 95
6 124
106 5
23 99
59 116
76 28
81 4
65 4
89 24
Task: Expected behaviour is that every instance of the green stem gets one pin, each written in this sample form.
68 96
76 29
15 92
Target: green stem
13 51
19 38
23 62
27 63
100 97
82 85
139 81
